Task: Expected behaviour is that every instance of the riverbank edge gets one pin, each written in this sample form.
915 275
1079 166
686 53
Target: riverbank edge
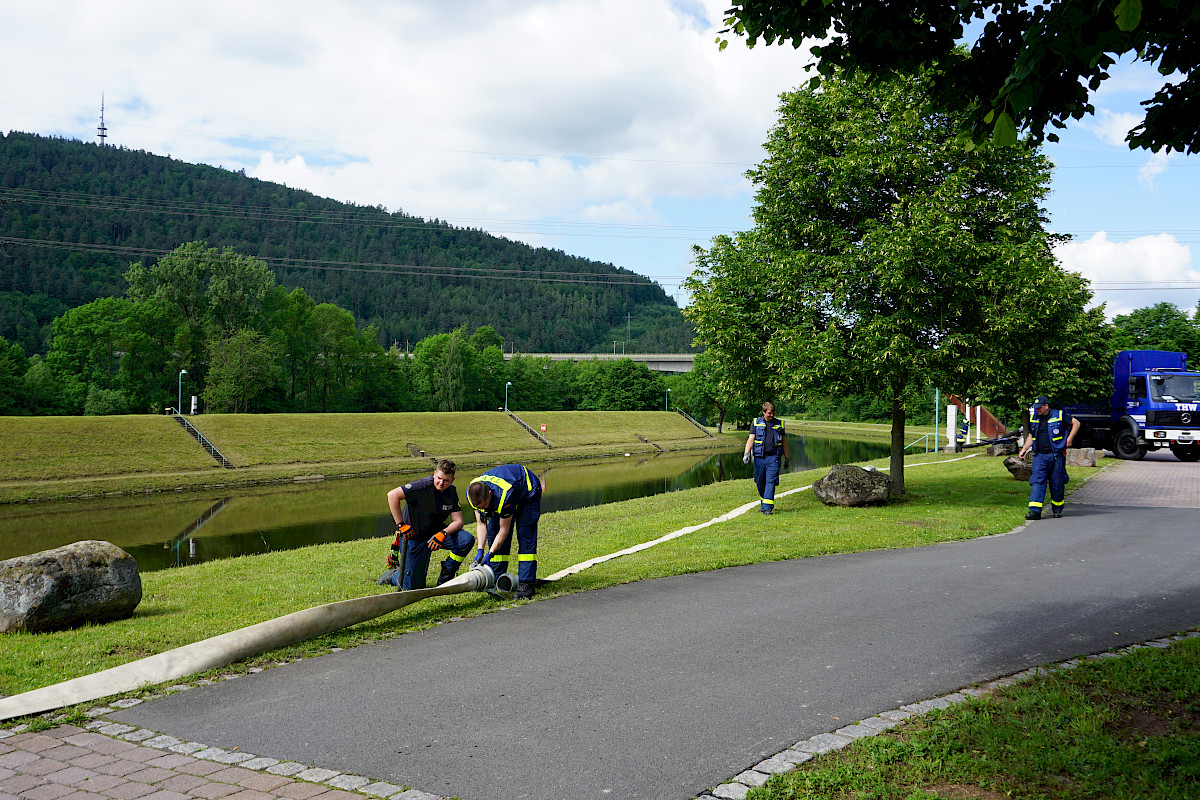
103 487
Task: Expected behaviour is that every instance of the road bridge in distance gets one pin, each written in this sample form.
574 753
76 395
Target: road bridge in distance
659 362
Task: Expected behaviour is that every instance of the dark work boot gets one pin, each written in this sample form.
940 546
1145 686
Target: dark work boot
524 590
449 569
1057 513
1031 514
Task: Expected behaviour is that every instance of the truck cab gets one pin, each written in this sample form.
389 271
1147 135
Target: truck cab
1155 404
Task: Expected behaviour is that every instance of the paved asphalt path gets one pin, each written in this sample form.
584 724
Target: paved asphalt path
663 688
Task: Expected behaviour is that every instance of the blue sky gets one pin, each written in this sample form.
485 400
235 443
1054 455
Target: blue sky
613 130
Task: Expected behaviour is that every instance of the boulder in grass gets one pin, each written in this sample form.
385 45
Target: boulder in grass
1021 468
847 485
1081 456
81 583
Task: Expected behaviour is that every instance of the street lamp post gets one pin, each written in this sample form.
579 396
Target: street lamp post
667 401
506 385
179 399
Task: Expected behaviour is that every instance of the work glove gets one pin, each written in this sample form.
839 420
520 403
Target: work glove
745 458
786 463
405 531
483 562
437 540
478 557
393 559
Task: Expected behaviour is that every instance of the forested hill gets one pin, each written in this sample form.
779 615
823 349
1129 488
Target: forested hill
75 215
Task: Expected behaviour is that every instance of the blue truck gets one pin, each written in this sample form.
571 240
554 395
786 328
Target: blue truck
1155 404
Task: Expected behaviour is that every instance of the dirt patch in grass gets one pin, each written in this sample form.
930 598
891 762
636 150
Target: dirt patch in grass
1143 717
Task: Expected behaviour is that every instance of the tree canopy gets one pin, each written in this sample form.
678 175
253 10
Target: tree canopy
1033 65
885 257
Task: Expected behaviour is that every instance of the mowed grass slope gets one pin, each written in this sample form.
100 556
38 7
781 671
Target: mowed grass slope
57 448
256 439
584 428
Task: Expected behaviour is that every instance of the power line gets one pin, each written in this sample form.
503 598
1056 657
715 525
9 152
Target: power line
418 270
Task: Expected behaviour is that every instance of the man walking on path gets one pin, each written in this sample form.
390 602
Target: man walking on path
503 497
422 528
1049 440
768 445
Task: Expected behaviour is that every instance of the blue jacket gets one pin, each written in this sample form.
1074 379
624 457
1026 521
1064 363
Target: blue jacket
511 486
768 437
1057 431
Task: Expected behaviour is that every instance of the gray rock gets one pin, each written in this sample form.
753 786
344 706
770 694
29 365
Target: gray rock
1081 456
1003 449
1021 469
84 582
847 485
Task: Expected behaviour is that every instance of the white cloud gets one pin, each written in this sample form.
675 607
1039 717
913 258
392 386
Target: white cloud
1154 166
1135 273
1110 127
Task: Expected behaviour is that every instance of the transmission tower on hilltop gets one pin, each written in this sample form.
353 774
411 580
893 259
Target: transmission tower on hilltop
102 131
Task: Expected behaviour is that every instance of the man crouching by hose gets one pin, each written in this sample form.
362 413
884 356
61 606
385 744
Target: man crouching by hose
428 519
504 497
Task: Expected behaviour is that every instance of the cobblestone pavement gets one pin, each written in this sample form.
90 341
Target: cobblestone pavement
105 760
1159 481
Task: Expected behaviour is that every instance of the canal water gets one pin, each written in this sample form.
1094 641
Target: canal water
169 530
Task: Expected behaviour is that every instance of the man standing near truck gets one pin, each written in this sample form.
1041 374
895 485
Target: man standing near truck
1049 439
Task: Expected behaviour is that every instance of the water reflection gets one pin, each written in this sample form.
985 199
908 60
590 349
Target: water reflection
164 531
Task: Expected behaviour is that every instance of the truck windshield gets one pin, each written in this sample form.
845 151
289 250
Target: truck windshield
1175 388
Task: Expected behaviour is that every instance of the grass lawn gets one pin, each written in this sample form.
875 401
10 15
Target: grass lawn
1118 727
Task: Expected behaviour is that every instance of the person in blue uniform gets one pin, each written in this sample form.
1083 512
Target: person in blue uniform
428 518
1050 434
506 498
767 444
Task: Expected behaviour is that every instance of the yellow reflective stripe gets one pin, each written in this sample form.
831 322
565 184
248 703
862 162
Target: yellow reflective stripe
527 557
528 480
768 502
1035 505
1054 502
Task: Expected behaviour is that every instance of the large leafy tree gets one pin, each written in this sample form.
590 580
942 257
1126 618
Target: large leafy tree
885 257
1033 65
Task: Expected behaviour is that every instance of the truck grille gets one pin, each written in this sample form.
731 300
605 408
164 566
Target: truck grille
1184 418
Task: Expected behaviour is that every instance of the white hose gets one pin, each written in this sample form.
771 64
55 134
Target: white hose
229 647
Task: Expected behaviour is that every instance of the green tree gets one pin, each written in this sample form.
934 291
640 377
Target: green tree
338 352
1159 327
294 331
14 396
85 347
241 367
1033 64
884 257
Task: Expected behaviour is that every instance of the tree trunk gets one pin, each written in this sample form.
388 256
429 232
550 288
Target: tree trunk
897 455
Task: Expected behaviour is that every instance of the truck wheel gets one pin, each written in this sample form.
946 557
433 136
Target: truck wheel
1126 446
1186 452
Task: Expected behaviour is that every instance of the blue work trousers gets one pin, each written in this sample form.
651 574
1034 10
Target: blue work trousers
525 531
416 563
766 478
1048 469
